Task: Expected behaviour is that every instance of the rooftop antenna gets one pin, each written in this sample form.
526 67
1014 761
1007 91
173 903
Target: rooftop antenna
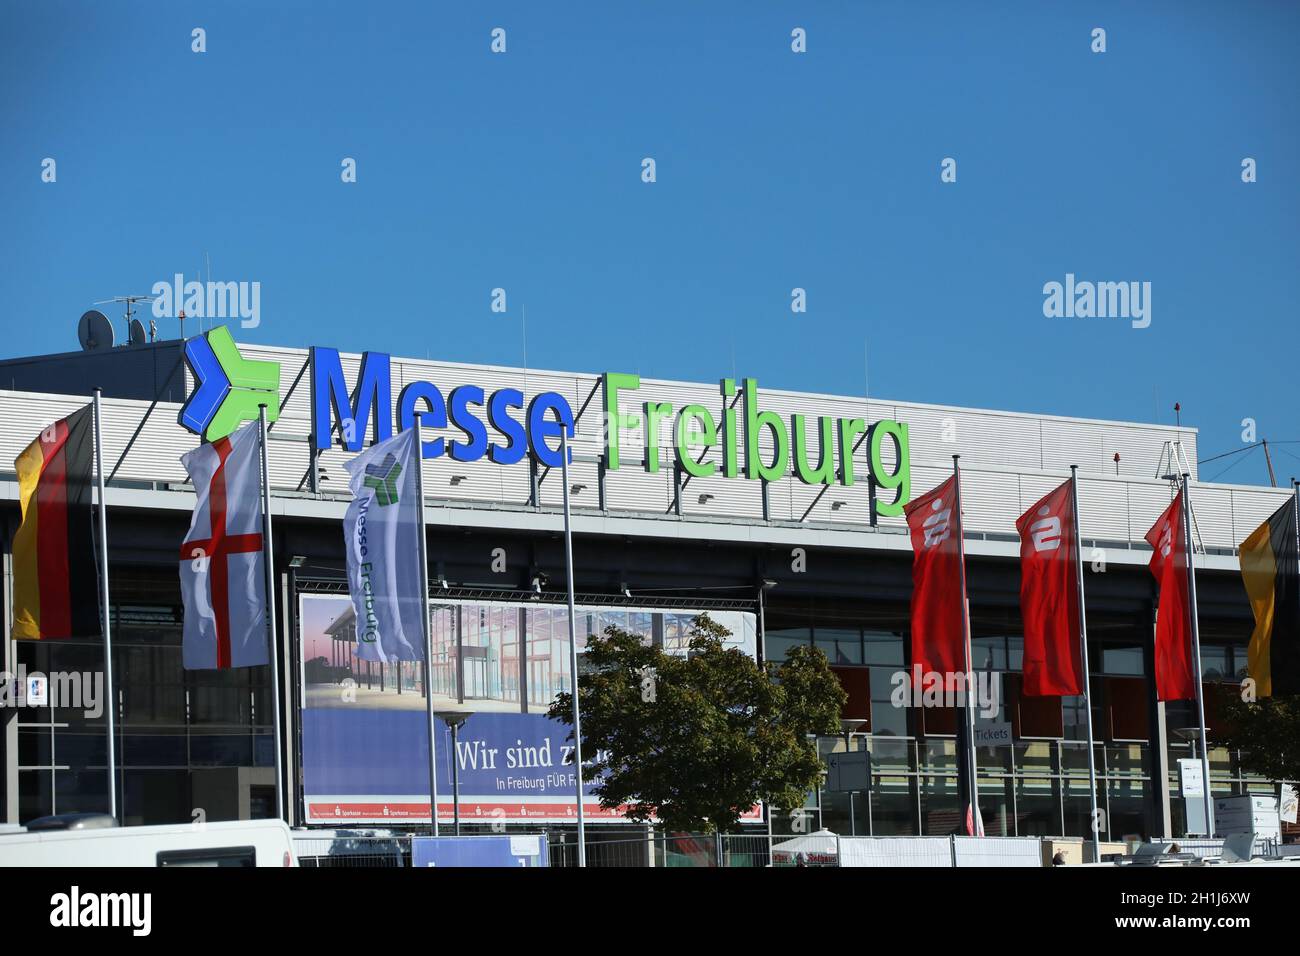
129 301
1174 463
866 370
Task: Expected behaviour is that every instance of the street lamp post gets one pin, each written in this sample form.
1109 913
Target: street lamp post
453 719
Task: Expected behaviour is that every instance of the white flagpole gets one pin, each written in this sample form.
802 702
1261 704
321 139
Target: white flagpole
268 560
973 783
421 547
1094 821
110 707
1196 659
573 645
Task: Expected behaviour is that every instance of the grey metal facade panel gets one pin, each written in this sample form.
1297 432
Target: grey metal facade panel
1103 509
633 489
1146 502
1066 444
1212 511
991 500
1034 487
938 434
1251 507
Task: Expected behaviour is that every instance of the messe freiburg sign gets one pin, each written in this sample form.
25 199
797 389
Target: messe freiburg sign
506 425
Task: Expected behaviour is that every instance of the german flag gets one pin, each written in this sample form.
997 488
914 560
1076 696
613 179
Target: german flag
1271 572
56 588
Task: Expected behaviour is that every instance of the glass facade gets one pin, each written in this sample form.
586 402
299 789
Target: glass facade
1038 785
186 742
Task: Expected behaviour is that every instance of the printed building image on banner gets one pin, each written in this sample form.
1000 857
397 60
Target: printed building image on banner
364 726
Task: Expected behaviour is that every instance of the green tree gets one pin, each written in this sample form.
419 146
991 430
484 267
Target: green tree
1267 732
696 741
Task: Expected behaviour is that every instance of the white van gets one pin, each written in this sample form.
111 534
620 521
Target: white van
96 840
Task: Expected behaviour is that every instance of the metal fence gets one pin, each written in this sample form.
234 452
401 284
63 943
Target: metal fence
369 848
665 850
344 848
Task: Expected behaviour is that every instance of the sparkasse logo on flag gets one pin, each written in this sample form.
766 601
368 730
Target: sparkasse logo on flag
381 537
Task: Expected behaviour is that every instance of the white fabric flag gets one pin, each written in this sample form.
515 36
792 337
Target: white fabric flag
380 532
223 571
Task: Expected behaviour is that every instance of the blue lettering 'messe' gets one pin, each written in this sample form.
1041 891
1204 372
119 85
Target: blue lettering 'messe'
461 397
499 404
370 404
435 414
540 429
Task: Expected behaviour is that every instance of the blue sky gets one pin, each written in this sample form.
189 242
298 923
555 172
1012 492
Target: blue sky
775 170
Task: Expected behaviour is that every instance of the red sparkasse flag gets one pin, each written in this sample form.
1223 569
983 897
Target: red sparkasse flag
1049 596
1174 676
938 643
223 576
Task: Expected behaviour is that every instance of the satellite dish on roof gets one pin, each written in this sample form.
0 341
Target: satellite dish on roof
94 331
137 332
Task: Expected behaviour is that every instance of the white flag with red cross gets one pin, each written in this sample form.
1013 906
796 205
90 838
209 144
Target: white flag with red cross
223 574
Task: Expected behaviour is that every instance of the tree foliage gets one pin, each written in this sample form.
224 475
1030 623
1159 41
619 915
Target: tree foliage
696 741
1267 732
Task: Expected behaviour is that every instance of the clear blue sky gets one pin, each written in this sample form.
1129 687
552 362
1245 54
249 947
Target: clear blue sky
775 171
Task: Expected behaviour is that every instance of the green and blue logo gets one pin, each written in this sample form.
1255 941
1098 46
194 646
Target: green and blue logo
228 387
382 477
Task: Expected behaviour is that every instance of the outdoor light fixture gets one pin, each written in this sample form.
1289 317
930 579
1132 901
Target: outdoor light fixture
453 719
457 479
705 499
576 489
297 561
837 505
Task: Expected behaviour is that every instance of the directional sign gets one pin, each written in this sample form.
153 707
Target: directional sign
228 387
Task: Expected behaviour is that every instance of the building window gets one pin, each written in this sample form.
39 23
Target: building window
780 641
840 645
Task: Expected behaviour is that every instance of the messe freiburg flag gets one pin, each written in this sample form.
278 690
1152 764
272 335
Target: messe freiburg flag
55 579
938 641
1049 597
1270 568
1175 679
381 539
223 570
